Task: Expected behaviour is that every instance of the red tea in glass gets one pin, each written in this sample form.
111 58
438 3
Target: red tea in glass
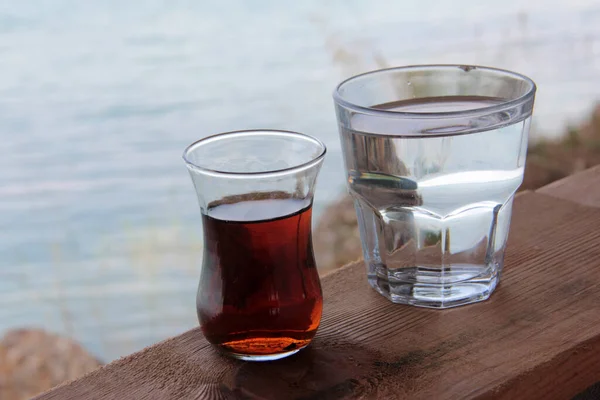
259 291
259 296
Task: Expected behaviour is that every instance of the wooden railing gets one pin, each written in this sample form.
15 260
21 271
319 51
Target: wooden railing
537 337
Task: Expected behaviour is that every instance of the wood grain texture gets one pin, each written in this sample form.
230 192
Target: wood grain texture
582 188
538 337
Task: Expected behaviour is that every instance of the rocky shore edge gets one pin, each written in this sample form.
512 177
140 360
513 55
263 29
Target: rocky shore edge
33 361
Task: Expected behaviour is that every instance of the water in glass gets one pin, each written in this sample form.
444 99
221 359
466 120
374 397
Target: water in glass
434 212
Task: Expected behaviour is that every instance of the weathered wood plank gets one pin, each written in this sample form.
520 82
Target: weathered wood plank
582 188
538 337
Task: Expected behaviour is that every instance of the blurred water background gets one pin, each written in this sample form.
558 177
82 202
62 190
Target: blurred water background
99 227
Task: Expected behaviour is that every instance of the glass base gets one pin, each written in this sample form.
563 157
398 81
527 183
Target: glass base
262 357
435 288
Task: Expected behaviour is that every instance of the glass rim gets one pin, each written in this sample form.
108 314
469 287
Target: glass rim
510 103
254 132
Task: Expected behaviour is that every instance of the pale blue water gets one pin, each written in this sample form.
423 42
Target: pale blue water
99 226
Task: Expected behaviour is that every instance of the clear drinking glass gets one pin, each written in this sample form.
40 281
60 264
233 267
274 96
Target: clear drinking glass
434 156
259 296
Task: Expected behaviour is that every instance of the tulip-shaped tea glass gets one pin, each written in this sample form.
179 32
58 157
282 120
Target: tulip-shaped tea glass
259 296
434 156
